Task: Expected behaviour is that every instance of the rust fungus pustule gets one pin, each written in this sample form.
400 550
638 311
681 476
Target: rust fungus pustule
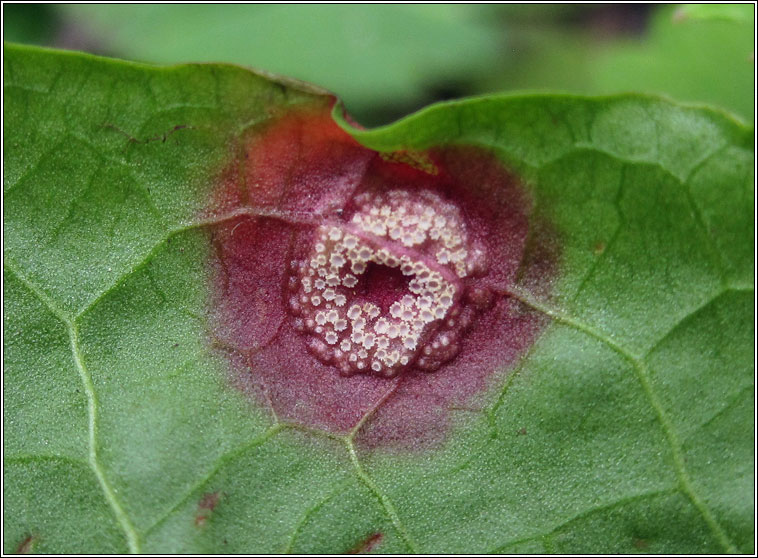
374 327
353 288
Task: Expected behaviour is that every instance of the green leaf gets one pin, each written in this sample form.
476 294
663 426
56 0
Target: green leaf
627 427
742 13
369 55
702 53
697 59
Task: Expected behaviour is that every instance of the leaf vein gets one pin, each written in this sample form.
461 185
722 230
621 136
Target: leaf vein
733 402
122 517
37 291
586 513
220 461
308 514
672 439
389 508
683 320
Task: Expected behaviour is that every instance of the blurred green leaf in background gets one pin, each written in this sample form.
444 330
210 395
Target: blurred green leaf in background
691 58
385 61
370 55
693 53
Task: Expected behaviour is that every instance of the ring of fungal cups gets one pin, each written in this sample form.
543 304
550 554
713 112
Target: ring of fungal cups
424 237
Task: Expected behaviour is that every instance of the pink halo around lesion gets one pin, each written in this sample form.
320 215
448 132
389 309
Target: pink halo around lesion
301 170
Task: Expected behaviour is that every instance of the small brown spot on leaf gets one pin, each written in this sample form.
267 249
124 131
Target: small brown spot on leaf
599 248
205 507
25 546
366 545
640 543
521 432
209 501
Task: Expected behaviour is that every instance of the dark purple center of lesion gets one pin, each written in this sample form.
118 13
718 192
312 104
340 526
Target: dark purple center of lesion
381 285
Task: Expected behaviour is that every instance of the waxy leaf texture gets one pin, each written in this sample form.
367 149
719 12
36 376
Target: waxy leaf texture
159 396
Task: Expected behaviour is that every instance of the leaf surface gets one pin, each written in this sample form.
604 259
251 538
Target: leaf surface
369 55
626 427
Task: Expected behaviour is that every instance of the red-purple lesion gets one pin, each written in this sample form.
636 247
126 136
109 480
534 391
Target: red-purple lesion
302 172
